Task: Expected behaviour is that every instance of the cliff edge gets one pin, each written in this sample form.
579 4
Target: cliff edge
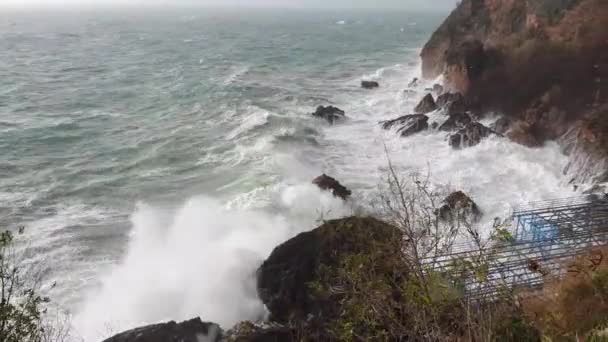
543 64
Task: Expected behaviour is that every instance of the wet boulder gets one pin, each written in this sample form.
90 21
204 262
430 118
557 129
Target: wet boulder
501 126
284 279
193 330
438 89
413 83
369 84
260 332
455 122
470 135
426 105
458 206
327 183
329 113
451 103
409 124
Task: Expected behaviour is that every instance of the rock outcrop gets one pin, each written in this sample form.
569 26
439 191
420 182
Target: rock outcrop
470 135
540 63
328 183
452 103
193 330
459 206
426 105
329 113
455 122
369 84
409 124
285 278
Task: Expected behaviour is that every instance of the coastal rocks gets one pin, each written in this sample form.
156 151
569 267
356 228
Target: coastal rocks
285 278
438 89
459 206
452 102
413 83
522 133
325 182
369 84
455 122
470 135
193 330
464 65
501 126
410 124
265 332
426 105
329 113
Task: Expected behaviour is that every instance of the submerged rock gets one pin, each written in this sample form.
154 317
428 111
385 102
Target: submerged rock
459 206
426 105
470 135
328 183
410 124
329 113
285 278
369 84
455 122
193 330
413 83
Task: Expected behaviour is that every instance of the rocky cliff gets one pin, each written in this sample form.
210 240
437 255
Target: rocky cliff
541 63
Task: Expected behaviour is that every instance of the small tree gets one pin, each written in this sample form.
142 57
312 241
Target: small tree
21 305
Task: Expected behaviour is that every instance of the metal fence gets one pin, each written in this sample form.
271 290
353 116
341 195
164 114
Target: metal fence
545 236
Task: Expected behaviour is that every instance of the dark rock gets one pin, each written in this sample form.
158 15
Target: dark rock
267 332
284 278
459 206
455 122
329 113
522 133
434 125
426 105
410 124
501 126
413 83
188 331
328 183
470 135
452 103
369 84
438 89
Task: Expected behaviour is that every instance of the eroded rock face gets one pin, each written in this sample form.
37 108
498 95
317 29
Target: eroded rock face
459 206
426 105
501 126
328 183
409 124
456 122
470 135
267 332
284 278
329 113
369 84
193 330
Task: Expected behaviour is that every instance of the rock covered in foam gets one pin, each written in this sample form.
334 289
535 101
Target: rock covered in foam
410 124
329 113
328 183
369 84
426 105
193 330
470 135
455 122
459 206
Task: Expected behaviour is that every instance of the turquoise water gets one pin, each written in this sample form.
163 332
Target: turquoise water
113 124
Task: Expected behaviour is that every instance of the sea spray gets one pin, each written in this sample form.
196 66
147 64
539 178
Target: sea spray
199 260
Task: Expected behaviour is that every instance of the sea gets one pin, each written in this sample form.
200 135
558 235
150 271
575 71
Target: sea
155 157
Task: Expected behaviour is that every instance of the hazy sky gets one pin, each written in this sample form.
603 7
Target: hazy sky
413 4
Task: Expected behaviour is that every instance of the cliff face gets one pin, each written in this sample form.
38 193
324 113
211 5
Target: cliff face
542 63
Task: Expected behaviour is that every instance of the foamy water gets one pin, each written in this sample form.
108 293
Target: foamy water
188 159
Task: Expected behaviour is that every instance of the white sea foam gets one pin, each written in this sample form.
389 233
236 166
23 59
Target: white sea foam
198 261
